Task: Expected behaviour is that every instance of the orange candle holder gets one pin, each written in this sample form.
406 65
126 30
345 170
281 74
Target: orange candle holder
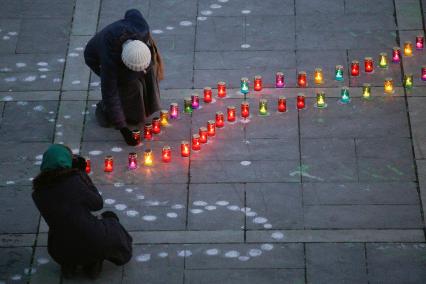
258 85
148 157
388 86
301 79
108 164
221 89
220 119
211 128
88 168
196 144
408 49
245 110
318 76
166 154
231 113
208 95
202 132
184 148
282 104
147 131
156 125
164 117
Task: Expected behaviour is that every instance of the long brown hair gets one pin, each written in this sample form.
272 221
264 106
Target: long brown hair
159 66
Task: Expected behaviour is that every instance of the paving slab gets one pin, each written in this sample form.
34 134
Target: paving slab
370 7
70 122
17 240
408 14
8 42
421 170
85 19
248 7
324 7
76 74
47 9
14 262
179 70
30 81
38 63
417 106
111 10
46 269
220 33
187 237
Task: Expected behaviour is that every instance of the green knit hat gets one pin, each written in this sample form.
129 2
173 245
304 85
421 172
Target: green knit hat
56 157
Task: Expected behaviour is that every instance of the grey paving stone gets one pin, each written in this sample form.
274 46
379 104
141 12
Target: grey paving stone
39 63
13 262
112 10
70 122
220 33
421 171
46 270
179 70
76 74
363 217
176 42
336 263
213 215
174 9
17 240
408 14
250 276
279 203
29 96
370 7
30 81
85 17
319 7
8 43
250 7
11 9
396 263
47 9
187 237
74 96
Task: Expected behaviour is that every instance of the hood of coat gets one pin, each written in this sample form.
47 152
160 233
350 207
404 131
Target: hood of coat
135 17
48 178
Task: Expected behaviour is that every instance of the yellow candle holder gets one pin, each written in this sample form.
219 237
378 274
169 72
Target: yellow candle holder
383 60
320 102
148 158
366 91
388 86
408 49
318 76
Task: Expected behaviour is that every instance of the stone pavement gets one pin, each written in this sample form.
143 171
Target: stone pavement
314 196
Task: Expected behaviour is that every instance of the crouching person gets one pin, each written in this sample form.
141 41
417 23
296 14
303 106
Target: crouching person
65 196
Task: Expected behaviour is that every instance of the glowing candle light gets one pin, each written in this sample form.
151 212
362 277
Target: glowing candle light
184 148
282 104
108 164
368 65
345 98
258 83
318 76
221 89
355 68
88 168
147 131
148 157
420 41
164 118
136 133
156 125
383 60
133 161
388 86
396 55
203 135
301 79
195 101
423 73
232 114
244 85
187 105
211 128
208 97
166 154
408 48
338 75
320 100
408 81
300 102
245 110
279 80
196 145
366 91
174 111
263 107
220 119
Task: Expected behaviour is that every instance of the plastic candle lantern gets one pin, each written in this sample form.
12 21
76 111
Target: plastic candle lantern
88 166
208 97
355 68
108 164
408 48
203 135
408 81
420 41
321 100
174 111
345 98
196 145
263 107
318 76
148 158
282 104
245 110
244 85
301 79
136 133
220 119
366 91
258 85
164 118
133 161
221 89
424 73
195 101
279 80
339 73
156 125
368 65
388 86
383 60
211 128
184 148
231 113
147 131
187 105
300 102
166 154
396 55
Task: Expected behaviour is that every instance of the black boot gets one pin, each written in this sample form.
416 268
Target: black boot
101 116
93 270
68 271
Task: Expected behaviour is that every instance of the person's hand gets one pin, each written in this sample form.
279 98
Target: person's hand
128 136
78 162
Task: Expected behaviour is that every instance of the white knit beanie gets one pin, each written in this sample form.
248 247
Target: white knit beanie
136 55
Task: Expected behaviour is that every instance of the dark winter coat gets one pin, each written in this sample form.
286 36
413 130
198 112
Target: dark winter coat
65 199
103 56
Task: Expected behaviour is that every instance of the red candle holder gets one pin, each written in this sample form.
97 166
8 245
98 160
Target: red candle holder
245 110
136 133
108 164
420 40
211 128
221 89
174 111
88 168
195 101
184 148
232 114
220 119
301 102
203 135
133 161
424 73
396 55
156 125
282 104
208 96
355 68
301 79
368 65
147 131
166 154
258 85
196 144
279 80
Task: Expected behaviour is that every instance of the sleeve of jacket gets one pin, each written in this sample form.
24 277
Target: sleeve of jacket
89 194
91 57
